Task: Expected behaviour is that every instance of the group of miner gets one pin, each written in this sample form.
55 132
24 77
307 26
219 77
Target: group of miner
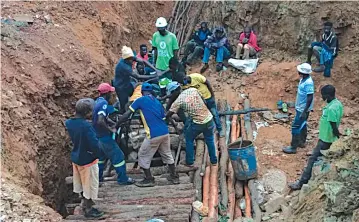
157 86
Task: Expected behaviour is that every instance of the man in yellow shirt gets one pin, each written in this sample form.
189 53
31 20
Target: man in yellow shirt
204 87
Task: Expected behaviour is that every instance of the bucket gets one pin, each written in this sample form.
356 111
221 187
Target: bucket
243 159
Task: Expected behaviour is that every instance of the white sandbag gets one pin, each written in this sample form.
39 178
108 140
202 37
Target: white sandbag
247 66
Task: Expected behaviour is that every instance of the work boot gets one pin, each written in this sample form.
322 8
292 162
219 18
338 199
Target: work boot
303 138
319 69
292 149
204 68
297 185
94 213
146 182
173 177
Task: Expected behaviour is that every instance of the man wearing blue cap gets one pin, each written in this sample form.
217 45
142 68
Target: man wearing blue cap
157 138
200 119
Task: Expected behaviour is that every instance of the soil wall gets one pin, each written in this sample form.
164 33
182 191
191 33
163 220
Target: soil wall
63 56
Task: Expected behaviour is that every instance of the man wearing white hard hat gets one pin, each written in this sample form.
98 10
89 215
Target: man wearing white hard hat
303 105
124 73
165 45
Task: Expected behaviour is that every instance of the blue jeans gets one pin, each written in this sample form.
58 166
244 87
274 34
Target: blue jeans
221 53
191 132
299 124
113 152
211 105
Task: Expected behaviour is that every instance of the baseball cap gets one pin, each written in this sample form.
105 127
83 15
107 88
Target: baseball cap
146 87
304 68
105 88
161 22
172 87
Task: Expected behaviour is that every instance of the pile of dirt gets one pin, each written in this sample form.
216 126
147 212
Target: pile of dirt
47 64
17 204
333 191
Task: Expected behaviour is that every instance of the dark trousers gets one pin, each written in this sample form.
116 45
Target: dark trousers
110 150
123 95
307 173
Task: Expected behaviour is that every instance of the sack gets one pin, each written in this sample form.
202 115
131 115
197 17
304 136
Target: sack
247 66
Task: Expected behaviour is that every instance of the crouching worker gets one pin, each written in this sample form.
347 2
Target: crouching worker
195 47
325 51
84 156
219 44
247 44
200 119
328 132
105 128
157 138
202 84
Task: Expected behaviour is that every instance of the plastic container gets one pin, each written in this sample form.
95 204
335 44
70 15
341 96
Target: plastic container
243 159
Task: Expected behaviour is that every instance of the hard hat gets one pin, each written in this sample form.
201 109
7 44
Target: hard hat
161 22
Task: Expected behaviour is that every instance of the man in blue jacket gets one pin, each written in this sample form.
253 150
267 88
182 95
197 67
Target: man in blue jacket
84 156
218 44
195 47
105 128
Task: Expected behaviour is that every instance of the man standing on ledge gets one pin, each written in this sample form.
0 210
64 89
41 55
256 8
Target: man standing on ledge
328 132
303 105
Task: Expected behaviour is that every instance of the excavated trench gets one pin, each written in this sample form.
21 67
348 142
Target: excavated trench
72 54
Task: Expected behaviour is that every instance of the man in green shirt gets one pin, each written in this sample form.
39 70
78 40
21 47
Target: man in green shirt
165 45
328 132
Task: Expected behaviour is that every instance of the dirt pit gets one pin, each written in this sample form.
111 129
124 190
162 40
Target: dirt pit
71 48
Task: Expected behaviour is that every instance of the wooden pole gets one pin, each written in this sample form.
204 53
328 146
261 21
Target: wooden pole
247 121
231 192
247 197
213 192
206 185
223 161
197 180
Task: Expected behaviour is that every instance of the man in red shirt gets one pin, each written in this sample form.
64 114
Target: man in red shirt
144 56
247 44
143 52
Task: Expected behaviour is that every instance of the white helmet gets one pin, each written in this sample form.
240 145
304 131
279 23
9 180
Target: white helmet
161 22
